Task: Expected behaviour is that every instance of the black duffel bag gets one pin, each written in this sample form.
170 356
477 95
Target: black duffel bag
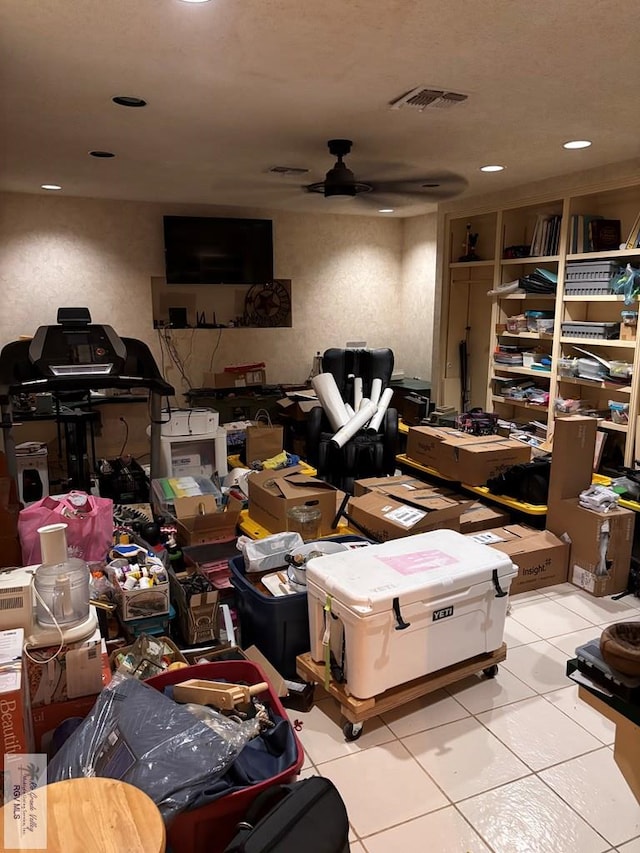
528 482
309 815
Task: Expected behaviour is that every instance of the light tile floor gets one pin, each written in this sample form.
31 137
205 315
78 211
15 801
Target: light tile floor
517 764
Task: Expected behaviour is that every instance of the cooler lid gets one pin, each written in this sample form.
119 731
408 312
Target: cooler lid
413 568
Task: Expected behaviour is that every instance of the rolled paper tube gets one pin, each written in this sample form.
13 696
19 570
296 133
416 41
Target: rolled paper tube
383 405
351 428
350 411
357 392
376 390
364 402
325 387
53 544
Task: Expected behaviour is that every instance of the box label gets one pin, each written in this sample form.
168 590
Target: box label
407 516
487 538
420 561
583 578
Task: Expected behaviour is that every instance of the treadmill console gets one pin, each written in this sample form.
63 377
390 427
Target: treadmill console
77 350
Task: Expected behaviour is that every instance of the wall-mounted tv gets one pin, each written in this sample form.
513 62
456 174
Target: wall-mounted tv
214 250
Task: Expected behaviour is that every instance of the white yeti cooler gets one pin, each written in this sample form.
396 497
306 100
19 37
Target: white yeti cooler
408 607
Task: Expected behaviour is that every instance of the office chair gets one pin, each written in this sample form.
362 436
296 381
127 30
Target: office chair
365 455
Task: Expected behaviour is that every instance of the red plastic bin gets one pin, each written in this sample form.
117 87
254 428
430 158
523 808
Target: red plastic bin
210 828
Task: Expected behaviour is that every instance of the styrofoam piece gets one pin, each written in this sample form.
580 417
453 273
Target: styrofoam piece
382 407
351 427
349 409
376 390
357 392
325 387
447 591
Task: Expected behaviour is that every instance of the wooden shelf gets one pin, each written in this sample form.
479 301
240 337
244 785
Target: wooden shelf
595 256
526 371
460 264
521 404
609 297
615 427
520 297
548 259
535 336
593 383
594 342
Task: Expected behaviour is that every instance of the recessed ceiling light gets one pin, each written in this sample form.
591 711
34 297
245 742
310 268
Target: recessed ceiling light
128 101
51 187
386 210
577 143
491 168
195 1
103 154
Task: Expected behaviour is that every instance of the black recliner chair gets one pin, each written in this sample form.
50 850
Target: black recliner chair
366 454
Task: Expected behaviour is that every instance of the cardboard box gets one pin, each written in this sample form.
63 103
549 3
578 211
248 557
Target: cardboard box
465 458
233 379
74 672
16 730
479 517
385 517
585 530
198 616
47 718
200 520
542 558
381 484
574 441
297 409
140 603
272 493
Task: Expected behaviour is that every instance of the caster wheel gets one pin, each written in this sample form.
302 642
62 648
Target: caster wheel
352 731
491 671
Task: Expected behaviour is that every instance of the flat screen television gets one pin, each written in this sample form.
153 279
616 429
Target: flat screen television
215 250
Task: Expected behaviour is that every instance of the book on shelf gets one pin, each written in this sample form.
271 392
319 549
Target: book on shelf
633 240
582 230
604 235
546 235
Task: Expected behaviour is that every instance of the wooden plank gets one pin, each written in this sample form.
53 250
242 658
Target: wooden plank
358 710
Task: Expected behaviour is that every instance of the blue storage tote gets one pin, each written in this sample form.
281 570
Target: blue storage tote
277 625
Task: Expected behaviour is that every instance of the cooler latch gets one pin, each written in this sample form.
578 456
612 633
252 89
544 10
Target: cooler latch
400 623
500 593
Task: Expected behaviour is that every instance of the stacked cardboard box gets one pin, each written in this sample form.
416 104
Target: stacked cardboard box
465 458
600 541
272 493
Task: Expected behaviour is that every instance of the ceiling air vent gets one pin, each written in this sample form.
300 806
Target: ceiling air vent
422 98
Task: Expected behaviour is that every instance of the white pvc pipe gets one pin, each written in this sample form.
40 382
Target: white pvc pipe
350 411
53 544
383 405
325 387
376 390
364 402
357 392
357 422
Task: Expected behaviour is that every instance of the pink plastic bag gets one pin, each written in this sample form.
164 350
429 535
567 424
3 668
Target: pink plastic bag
89 521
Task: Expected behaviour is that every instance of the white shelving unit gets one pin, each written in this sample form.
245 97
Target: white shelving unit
470 314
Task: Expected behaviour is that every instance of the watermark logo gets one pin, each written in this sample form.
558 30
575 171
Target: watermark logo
25 801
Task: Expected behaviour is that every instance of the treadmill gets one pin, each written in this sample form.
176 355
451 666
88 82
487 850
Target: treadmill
78 356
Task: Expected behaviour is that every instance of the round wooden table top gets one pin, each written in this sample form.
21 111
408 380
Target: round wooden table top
97 815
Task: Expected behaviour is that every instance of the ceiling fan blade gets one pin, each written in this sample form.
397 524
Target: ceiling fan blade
434 187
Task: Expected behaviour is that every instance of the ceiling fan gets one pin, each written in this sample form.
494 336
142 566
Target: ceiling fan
340 182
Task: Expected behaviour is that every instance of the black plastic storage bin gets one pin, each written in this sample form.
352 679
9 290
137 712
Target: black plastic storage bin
277 625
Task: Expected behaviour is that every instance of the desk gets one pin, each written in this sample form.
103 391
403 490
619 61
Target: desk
626 718
98 815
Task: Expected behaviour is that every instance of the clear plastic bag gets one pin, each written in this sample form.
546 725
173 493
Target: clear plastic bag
138 735
626 283
268 553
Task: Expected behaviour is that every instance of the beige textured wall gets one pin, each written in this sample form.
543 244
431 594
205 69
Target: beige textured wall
353 278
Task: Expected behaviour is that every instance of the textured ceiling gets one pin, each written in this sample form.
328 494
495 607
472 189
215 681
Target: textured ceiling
236 86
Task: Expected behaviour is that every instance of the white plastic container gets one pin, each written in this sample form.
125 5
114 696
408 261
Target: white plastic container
408 607
197 421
